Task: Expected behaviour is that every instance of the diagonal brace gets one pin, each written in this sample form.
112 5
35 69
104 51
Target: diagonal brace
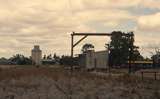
80 40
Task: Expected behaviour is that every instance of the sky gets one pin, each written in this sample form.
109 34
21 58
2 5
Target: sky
49 23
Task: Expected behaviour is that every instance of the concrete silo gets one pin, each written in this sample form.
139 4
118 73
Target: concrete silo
36 55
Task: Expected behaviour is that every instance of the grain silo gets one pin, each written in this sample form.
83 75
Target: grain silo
36 55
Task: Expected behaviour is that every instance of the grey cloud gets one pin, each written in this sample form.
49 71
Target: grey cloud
24 23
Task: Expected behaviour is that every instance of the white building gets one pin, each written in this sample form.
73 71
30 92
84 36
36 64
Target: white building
94 60
36 55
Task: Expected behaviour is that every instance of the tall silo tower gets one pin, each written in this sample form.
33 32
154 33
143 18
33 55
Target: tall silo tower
36 55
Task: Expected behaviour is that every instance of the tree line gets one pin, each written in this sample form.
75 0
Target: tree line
50 59
17 59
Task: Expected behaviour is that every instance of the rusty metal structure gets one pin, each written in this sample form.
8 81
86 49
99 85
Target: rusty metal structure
85 35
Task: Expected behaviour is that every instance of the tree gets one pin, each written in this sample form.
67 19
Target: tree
68 61
136 55
122 48
87 47
44 57
4 61
49 56
19 59
56 58
156 58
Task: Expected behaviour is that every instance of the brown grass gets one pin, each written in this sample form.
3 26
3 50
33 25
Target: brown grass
61 73
17 73
82 81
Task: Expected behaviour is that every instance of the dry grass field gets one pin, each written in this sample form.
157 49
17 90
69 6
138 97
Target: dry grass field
53 83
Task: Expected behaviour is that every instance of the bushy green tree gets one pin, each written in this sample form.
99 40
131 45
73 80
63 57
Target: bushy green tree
122 48
56 57
86 47
19 59
4 61
156 58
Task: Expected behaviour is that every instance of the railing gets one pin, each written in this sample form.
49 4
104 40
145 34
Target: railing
150 72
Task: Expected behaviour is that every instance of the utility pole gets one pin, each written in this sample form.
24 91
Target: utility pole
108 48
131 45
71 69
130 60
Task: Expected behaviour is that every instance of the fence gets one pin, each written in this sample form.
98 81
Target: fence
155 74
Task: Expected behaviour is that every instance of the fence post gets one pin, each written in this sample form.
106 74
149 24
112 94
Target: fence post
142 75
155 75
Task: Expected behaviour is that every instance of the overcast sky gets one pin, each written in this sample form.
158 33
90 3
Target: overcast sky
48 23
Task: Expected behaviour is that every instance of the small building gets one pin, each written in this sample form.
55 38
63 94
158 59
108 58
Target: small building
36 55
94 60
48 61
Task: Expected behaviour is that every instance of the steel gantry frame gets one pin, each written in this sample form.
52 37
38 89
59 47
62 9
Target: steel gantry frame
85 35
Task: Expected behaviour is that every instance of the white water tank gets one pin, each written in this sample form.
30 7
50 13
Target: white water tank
36 55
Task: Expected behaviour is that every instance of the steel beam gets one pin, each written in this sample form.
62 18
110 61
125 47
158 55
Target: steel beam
80 40
91 34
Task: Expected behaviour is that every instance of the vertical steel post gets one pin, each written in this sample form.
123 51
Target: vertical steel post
131 37
142 75
130 59
155 75
72 39
71 68
108 48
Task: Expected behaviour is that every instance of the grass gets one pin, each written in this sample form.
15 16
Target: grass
82 81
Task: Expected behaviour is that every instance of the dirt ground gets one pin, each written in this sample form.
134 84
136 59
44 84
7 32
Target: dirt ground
56 83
